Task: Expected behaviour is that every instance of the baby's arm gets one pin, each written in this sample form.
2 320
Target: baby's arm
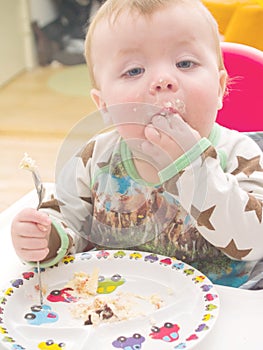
226 203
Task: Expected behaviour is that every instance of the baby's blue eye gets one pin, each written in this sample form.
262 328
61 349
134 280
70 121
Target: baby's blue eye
135 71
184 64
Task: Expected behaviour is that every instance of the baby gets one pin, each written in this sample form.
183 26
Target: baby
167 179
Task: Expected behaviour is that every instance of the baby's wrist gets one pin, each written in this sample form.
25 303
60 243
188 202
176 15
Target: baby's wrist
59 245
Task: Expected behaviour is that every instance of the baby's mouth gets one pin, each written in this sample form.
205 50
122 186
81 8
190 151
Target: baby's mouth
172 107
177 105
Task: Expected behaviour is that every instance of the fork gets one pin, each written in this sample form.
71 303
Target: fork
41 193
39 187
28 164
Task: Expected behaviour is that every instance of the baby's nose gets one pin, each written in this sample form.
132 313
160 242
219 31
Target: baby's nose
163 85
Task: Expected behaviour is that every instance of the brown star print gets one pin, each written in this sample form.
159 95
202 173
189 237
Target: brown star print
203 217
52 204
247 166
255 204
171 185
209 152
103 164
232 250
87 199
86 152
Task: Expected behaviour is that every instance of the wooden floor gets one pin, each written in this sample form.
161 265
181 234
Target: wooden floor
34 119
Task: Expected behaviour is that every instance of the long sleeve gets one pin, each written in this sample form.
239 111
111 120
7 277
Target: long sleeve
74 189
221 186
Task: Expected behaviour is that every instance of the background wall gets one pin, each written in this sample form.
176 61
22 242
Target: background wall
14 32
18 51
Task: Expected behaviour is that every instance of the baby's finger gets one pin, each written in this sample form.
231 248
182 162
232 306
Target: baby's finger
175 127
30 243
160 123
33 255
43 228
158 157
30 229
175 121
171 125
149 149
167 136
152 134
33 215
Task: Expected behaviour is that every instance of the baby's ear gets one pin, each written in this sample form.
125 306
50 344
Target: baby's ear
219 104
101 105
222 88
96 97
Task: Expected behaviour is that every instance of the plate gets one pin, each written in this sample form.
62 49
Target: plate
189 310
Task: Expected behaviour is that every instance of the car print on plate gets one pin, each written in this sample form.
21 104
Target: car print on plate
179 324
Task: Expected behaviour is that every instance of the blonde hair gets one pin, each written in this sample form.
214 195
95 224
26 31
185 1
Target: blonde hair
112 9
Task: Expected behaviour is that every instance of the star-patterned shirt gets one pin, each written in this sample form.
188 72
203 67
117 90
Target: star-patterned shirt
206 210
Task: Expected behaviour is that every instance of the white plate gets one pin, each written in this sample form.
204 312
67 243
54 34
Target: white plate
191 306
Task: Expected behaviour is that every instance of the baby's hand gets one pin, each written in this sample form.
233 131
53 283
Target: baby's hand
168 137
30 233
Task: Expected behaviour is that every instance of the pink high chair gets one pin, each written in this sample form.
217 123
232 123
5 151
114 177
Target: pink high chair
243 104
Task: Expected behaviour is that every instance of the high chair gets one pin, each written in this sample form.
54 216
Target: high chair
242 106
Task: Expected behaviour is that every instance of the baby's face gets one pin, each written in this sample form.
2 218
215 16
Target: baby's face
167 60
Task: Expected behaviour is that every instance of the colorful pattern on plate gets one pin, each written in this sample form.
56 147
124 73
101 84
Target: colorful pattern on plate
51 345
40 314
167 333
131 343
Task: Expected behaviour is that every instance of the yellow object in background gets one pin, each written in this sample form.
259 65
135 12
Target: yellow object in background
246 26
239 21
223 10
